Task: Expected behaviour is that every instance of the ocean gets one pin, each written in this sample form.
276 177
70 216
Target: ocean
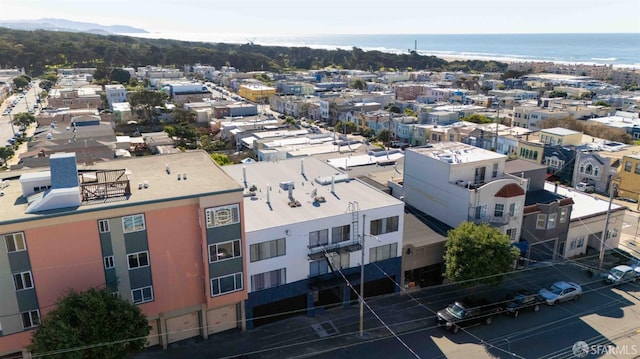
619 50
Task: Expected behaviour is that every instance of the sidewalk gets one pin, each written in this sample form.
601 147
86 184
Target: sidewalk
24 146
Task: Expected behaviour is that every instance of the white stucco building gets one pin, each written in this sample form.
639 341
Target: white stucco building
305 224
115 94
455 182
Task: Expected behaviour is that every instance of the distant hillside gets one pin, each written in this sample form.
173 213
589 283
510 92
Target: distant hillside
39 50
68 25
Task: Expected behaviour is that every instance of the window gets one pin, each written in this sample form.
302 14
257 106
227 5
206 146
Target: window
494 173
478 177
318 267
340 234
133 223
589 169
541 221
339 261
511 233
572 244
381 253
551 222
638 168
108 262
226 284
270 279
481 211
142 295
269 249
22 280
512 210
627 166
222 216
224 250
563 214
103 225
15 242
318 238
580 241
498 210
30 319
384 225
612 233
554 162
138 260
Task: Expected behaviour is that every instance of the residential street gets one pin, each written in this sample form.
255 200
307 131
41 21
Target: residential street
602 315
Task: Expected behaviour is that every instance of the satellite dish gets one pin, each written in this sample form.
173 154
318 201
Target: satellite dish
314 192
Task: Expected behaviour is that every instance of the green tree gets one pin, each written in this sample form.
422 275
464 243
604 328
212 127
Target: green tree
477 254
384 136
6 153
120 76
392 107
21 81
555 93
477 118
601 103
24 119
146 101
91 324
345 127
358 84
180 114
221 159
587 95
290 121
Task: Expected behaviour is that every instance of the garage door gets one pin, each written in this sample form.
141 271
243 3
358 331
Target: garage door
222 319
183 327
153 338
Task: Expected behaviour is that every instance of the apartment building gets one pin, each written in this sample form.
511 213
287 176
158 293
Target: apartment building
530 116
587 221
308 230
115 225
256 92
627 182
455 182
115 94
75 98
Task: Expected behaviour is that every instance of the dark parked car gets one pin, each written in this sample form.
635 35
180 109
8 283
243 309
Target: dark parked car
521 300
466 312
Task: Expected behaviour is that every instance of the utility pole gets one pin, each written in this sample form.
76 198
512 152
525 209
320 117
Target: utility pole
603 238
362 280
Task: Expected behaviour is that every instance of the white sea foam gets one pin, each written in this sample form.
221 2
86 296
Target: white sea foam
315 42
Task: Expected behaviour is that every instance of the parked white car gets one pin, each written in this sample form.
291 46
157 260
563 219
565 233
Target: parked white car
585 187
622 274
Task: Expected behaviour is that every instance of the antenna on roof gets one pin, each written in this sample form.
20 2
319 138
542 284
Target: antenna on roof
244 176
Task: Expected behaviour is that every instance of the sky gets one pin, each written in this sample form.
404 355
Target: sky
288 17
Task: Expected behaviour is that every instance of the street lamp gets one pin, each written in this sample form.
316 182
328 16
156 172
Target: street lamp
361 298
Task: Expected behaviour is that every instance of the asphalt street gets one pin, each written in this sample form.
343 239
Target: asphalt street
402 325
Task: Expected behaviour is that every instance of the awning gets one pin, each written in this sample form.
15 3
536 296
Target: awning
523 246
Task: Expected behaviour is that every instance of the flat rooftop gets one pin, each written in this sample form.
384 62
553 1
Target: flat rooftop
584 205
264 211
559 131
456 153
204 177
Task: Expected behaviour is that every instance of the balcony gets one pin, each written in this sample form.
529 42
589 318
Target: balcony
491 220
318 252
